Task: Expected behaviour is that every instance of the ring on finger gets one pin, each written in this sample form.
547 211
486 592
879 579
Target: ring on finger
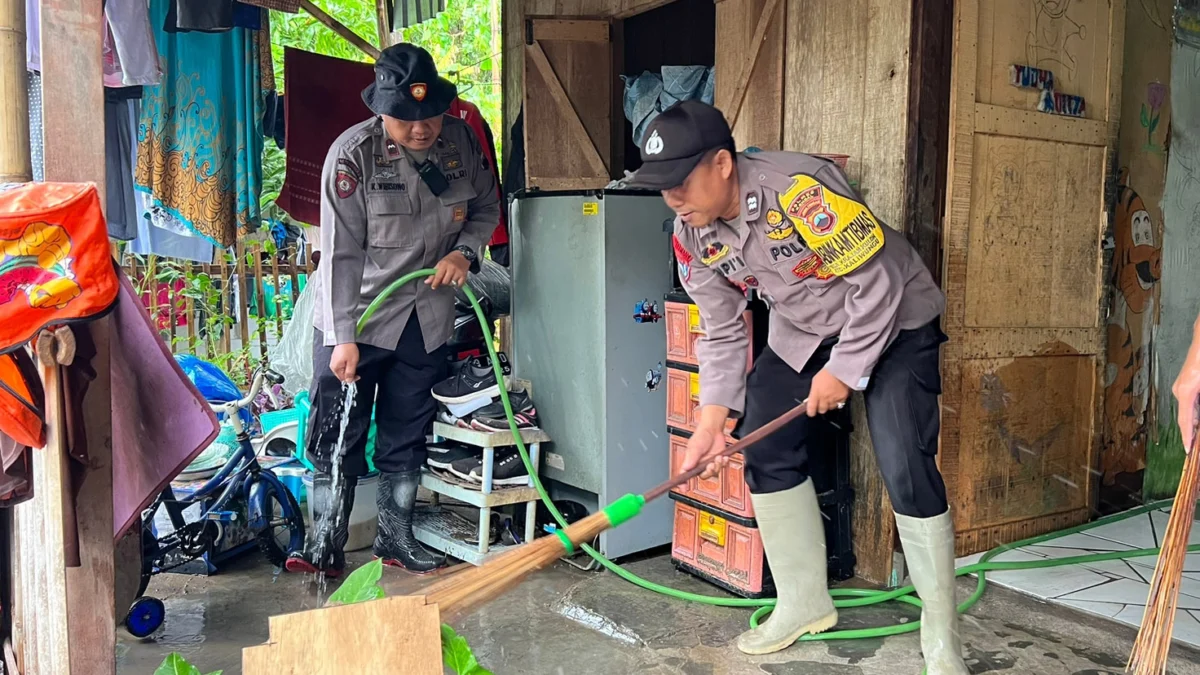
841 404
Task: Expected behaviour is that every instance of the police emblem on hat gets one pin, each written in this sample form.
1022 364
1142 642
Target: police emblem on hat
654 144
418 91
714 252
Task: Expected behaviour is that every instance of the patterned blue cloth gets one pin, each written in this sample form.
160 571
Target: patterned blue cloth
649 94
200 137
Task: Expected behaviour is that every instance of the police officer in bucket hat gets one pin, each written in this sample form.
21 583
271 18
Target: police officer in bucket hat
407 189
852 308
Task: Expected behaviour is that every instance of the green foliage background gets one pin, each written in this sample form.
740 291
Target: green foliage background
461 40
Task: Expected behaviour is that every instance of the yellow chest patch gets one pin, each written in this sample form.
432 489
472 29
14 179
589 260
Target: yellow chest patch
842 231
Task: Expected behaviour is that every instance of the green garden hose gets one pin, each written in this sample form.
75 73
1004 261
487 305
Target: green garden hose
844 597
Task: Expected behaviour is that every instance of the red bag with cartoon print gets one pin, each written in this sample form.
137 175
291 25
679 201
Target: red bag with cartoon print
55 264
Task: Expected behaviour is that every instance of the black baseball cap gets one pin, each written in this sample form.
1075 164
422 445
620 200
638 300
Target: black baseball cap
676 141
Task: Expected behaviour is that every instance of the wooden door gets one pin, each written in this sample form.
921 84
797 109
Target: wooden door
749 70
573 117
1024 265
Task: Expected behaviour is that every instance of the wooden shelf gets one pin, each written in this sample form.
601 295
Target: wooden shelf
498 497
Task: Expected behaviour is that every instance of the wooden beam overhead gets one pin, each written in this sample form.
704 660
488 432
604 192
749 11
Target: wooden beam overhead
340 28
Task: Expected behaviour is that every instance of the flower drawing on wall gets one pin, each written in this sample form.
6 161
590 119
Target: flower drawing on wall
1156 95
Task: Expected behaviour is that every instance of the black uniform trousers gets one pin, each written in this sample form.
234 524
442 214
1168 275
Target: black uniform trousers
902 415
396 385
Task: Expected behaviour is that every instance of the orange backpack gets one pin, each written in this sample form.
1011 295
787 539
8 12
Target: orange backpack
55 269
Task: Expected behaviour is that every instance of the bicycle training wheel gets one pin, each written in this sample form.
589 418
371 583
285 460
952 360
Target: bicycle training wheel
145 616
285 527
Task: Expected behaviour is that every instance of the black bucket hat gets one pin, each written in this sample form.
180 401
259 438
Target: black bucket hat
407 85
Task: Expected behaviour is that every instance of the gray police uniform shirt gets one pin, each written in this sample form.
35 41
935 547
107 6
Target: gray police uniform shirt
826 267
379 221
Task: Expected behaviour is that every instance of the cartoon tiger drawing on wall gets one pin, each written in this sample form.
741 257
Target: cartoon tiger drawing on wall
1136 269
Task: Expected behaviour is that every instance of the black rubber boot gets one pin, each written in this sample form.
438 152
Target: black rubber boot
323 545
395 543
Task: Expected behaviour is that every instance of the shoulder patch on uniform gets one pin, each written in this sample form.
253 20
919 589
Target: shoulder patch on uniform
682 257
841 230
713 252
347 178
751 205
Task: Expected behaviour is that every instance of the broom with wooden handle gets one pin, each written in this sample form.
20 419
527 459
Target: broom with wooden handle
1154 637
473 586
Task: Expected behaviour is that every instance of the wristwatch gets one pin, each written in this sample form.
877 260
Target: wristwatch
469 253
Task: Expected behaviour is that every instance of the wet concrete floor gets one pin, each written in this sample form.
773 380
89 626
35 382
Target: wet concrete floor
563 621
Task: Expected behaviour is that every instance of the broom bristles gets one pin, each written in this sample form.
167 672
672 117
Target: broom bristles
1153 642
474 586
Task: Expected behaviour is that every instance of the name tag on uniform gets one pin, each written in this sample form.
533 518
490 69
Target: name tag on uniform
388 186
460 214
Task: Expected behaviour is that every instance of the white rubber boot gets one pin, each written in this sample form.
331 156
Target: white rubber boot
793 535
929 553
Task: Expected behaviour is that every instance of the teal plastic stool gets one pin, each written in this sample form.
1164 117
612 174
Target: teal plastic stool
302 412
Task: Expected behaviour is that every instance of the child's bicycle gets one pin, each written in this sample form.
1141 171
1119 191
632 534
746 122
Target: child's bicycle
273 515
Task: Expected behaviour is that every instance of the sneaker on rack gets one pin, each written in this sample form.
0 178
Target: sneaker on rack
507 469
446 417
465 467
474 379
444 455
493 418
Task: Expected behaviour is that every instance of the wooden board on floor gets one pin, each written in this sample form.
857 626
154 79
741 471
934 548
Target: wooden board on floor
1024 267
393 635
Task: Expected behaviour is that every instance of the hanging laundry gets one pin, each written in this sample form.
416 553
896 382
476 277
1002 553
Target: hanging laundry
158 232
324 99
209 16
200 142
133 41
469 113
36 154
405 13
121 210
33 35
649 94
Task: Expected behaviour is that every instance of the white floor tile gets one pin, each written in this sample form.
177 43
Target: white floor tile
1107 610
1085 542
1136 532
1132 615
1050 582
1187 628
1160 527
1128 592
1114 568
967 560
1191 563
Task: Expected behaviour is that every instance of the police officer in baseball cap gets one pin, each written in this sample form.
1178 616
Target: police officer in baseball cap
407 189
853 308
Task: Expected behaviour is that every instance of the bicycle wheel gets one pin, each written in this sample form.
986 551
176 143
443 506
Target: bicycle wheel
285 527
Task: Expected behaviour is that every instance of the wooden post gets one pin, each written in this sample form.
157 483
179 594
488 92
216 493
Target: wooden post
243 299
278 294
260 294
384 26
15 166
64 622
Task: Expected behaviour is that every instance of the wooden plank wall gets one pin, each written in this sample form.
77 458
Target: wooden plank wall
1023 368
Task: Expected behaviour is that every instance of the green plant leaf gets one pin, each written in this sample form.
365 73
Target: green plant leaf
1145 115
1154 123
362 585
456 654
175 664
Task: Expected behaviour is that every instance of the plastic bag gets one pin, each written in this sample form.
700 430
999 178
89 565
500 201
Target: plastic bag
492 282
212 383
292 356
